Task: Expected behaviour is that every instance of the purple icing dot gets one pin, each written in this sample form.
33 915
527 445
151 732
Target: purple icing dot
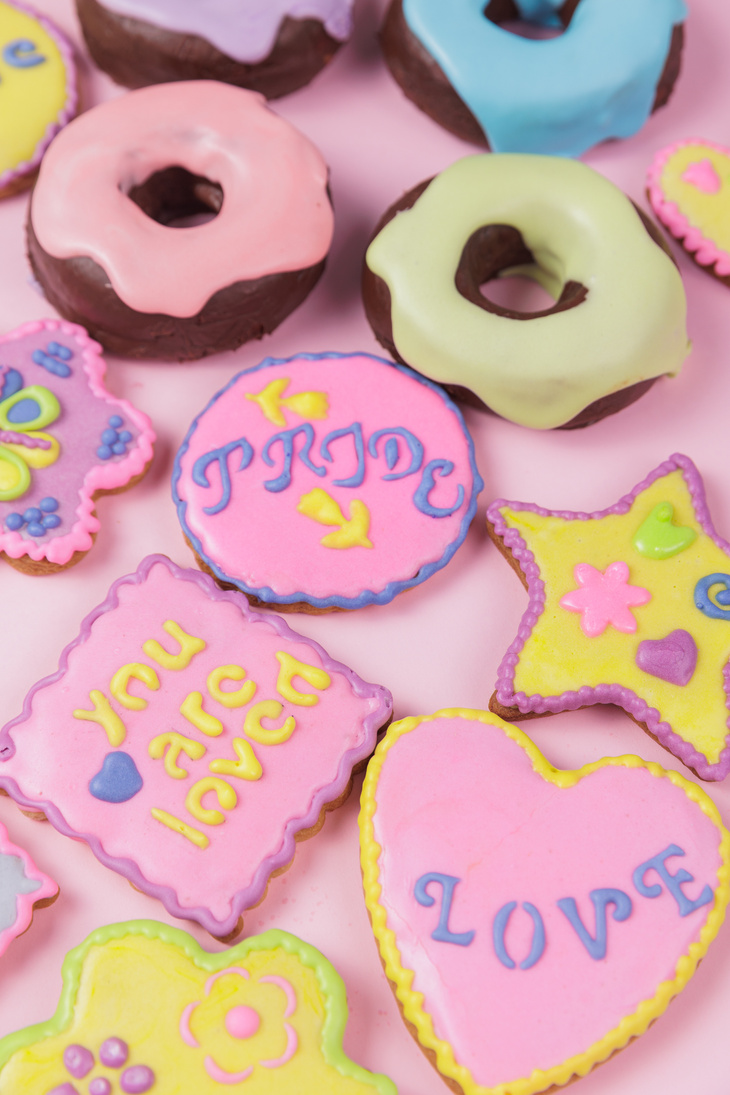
64 1089
35 528
108 437
100 1086
116 421
32 514
119 448
51 520
114 1053
48 505
14 521
78 1060
137 1079
104 452
125 436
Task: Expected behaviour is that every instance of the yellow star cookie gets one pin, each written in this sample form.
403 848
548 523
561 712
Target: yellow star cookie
629 605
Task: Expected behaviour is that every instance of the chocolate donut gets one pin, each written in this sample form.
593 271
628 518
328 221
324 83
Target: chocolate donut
270 46
102 234
614 63
618 321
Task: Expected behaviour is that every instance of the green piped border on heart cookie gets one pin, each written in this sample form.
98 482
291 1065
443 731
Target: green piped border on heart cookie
411 1002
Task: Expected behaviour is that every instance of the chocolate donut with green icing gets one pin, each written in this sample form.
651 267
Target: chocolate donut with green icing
618 321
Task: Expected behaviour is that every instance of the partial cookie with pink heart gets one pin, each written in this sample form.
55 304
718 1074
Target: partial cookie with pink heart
532 921
687 186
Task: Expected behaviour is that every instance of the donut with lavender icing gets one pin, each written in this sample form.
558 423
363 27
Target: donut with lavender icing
109 232
271 46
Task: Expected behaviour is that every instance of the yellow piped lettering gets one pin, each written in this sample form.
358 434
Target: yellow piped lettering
192 708
226 796
178 826
268 709
189 647
291 668
171 745
119 684
238 698
247 766
105 716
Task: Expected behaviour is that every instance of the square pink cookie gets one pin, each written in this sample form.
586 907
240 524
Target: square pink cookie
188 740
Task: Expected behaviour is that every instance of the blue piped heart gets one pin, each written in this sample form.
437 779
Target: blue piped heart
118 780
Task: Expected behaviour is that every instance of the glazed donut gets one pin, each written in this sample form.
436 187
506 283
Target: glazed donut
101 234
619 317
37 91
270 46
615 62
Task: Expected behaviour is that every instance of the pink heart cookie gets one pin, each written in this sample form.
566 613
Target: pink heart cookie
531 920
687 187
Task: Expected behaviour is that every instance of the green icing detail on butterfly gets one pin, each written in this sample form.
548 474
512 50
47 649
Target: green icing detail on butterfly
658 538
23 444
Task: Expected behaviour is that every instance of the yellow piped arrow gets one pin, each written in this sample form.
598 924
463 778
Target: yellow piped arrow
352 532
305 404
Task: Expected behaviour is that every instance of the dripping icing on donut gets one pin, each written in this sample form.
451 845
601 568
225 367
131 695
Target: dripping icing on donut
244 31
275 217
541 371
525 94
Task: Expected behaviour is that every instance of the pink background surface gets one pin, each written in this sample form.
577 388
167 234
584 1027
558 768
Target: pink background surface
436 646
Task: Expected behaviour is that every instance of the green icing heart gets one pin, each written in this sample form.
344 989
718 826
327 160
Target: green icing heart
658 538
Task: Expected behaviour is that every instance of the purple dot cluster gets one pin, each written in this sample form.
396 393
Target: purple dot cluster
114 1053
39 519
114 440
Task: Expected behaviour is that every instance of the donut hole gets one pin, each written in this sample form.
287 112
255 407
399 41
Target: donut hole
177 198
498 273
506 15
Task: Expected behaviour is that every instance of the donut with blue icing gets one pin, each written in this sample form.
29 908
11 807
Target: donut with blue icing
269 46
591 71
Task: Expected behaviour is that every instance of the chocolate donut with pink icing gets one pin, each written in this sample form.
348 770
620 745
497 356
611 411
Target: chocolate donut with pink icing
109 232
271 46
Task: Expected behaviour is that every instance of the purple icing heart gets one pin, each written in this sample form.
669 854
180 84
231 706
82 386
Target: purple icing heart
673 658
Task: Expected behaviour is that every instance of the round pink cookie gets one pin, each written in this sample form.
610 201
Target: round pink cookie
326 481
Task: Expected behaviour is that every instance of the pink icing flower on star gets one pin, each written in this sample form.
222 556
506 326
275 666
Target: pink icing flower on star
603 598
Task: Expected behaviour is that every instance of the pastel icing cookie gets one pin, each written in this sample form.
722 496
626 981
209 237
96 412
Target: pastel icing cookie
145 1009
639 594
37 90
64 440
688 187
353 480
532 921
23 888
590 71
618 321
190 742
